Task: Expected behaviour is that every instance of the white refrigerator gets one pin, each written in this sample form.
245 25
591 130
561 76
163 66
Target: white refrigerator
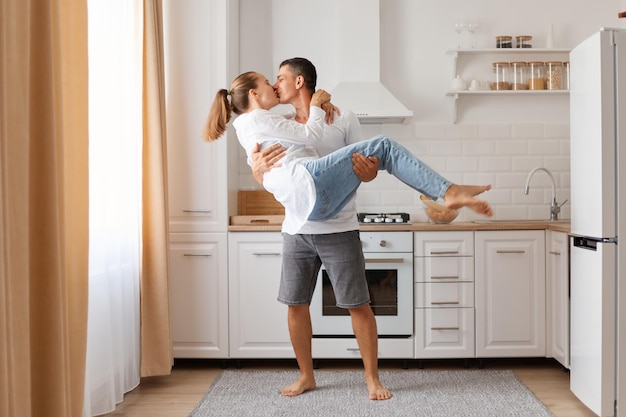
598 199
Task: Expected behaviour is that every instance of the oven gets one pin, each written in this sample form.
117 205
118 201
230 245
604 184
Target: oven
389 271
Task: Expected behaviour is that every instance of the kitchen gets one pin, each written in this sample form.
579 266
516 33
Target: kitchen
470 139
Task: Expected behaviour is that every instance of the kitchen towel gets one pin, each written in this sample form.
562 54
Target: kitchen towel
449 393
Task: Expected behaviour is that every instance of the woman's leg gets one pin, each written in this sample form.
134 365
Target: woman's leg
336 182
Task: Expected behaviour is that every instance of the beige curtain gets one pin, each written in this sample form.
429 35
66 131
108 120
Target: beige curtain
43 207
156 341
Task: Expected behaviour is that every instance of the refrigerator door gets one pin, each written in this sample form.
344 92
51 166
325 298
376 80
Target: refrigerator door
592 343
592 129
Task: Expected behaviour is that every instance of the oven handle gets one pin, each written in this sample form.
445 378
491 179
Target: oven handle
384 260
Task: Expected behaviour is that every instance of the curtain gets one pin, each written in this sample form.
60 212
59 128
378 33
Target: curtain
115 203
129 327
156 340
43 207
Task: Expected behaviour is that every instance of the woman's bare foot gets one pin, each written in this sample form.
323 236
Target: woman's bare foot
458 196
377 391
302 385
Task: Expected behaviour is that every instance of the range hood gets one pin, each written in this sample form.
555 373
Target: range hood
359 88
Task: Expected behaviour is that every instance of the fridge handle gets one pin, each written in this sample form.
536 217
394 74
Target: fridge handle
585 243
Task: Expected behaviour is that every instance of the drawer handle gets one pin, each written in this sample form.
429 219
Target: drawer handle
445 277
445 252
384 260
206 255
197 211
511 251
555 252
435 303
352 349
444 328
266 254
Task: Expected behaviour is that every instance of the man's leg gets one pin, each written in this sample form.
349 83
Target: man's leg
364 326
301 333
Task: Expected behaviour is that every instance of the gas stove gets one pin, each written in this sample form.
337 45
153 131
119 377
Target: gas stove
383 218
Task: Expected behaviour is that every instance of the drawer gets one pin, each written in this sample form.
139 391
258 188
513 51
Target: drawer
444 269
401 348
444 333
447 243
444 294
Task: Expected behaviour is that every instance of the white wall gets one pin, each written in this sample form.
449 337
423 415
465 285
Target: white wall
496 139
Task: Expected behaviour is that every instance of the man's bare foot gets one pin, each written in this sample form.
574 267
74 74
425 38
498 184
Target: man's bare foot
458 196
302 385
377 391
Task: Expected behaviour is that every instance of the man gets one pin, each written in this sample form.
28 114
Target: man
334 242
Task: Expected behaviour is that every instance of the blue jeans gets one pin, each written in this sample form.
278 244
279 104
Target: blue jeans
336 182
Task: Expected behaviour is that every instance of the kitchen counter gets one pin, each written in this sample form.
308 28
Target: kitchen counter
274 223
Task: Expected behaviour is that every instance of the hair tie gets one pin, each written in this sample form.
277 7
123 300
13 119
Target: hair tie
228 92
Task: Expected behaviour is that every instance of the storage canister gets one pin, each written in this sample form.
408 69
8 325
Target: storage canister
501 70
504 41
554 75
524 41
566 75
518 73
536 76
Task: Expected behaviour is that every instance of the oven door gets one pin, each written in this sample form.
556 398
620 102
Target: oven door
390 282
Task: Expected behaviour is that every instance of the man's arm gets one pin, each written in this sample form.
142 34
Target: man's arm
266 160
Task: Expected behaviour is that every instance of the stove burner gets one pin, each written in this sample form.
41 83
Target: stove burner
383 218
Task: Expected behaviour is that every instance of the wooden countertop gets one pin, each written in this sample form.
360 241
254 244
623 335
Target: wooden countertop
274 224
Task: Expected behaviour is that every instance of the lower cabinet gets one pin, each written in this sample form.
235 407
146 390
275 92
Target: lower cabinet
199 293
258 322
444 294
557 286
510 293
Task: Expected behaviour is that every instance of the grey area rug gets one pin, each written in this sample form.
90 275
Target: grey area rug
480 393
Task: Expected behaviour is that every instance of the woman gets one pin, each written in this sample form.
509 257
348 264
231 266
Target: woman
310 187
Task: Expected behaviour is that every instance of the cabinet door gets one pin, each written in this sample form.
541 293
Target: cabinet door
199 292
557 279
510 293
258 322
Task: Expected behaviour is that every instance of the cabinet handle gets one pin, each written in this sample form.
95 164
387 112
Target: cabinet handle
445 277
352 349
266 254
444 328
511 251
445 252
555 252
197 211
206 255
443 302
384 260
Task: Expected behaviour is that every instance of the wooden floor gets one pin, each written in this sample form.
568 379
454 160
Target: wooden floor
177 394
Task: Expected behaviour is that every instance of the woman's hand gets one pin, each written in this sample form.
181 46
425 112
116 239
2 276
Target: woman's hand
330 110
320 97
264 161
366 168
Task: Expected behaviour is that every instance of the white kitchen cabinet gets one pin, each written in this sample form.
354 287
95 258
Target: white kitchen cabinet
199 295
258 322
476 64
444 294
557 289
510 293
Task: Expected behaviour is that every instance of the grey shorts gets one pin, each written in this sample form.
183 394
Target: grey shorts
342 256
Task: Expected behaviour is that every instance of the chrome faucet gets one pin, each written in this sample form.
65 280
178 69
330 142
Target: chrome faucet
555 208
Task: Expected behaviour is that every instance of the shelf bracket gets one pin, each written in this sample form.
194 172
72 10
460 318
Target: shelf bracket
455 108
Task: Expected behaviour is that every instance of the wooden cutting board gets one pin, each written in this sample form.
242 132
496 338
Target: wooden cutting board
258 202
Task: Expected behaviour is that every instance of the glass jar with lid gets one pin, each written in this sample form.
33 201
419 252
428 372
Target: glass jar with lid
504 41
518 76
536 75
554 75
501 70
523 41
566 75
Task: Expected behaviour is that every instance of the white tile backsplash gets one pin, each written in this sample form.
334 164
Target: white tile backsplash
501 154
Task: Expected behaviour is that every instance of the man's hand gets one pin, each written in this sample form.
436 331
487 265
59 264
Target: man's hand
266 160
366 168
